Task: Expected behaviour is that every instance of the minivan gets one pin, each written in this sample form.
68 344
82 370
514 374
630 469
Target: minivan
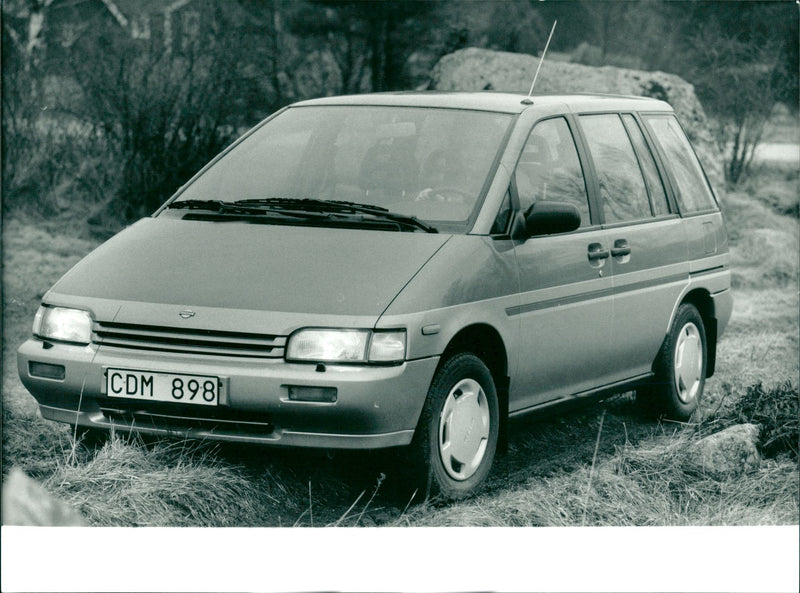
401 270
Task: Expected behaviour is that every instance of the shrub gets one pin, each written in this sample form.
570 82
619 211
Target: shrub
164 114
56 172
777 411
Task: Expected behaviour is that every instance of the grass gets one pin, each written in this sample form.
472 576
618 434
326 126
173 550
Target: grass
165 484
650 483
560 468
636 487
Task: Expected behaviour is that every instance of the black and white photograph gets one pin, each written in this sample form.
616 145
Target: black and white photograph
502 293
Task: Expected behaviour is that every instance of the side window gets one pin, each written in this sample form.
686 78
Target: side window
549 169
658 198
622 189
694 194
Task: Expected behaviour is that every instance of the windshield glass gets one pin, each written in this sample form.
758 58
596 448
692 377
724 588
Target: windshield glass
428 163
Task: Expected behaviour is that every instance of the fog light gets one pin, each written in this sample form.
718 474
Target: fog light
46 371
312 394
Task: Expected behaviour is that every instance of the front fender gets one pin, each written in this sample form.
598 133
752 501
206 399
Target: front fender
472 280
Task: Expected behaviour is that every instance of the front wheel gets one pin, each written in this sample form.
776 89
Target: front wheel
456 438
680 368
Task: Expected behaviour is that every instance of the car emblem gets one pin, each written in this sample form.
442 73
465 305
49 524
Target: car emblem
186 314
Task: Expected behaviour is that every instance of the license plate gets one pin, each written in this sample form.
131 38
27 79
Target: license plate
162 387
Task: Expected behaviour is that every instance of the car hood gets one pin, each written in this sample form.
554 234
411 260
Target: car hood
256 267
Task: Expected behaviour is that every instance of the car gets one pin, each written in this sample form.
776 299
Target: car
401 270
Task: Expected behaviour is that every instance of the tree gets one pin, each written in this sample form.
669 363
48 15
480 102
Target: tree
742 59
22 92
354 25
259 33
606 18
337 32
165 113
515 26
32 16
739 85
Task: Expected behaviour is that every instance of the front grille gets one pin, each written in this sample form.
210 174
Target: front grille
170 339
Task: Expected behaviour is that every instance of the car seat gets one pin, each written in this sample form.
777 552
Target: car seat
388 171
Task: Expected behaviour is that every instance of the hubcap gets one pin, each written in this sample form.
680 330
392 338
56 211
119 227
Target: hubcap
464 429
688 362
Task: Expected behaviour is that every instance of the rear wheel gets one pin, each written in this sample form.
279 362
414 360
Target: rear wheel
456 438
680 368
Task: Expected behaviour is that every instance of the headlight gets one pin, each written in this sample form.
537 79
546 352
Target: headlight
64 325
347 345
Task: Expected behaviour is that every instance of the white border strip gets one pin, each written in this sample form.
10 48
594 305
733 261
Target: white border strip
402 559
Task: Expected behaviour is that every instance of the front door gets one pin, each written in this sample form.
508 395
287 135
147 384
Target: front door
566 295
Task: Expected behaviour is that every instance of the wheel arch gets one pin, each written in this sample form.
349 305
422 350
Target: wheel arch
702 301
486 343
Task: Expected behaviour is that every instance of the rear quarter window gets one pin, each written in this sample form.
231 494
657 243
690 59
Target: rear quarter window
692 190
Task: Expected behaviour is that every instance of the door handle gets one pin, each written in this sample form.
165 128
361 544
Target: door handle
596 251
620 248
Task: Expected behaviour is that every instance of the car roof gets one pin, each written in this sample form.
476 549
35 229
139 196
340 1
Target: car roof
494 101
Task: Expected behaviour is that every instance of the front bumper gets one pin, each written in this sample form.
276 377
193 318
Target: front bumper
376 406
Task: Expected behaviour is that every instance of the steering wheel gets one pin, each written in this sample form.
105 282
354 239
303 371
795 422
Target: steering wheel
442 194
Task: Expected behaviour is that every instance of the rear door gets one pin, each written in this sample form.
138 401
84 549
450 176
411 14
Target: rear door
647 240
705 228
565 310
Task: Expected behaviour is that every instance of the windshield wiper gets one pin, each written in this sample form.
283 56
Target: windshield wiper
216 205
232 209
315 205
296 205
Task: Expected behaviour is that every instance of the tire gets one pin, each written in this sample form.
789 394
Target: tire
456 438
679 368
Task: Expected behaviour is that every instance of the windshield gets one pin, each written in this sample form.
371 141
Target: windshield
431 164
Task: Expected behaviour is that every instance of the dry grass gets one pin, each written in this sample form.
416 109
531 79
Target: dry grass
166 484
644 485
764 231
761 343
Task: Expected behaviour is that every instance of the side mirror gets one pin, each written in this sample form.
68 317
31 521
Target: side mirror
549 218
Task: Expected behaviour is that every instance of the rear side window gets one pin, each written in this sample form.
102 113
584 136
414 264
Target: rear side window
658 198
549 168
692 189
622 189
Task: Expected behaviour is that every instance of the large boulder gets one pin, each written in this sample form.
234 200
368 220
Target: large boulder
474 69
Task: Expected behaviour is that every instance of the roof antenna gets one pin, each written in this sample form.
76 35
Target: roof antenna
527 100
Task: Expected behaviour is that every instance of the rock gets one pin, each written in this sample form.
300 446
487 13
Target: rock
26 502
474 69
728 453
